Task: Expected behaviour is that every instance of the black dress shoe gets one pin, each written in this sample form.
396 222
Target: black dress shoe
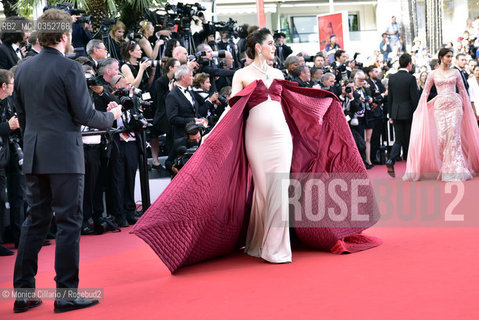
5 252
50 235
390 166
87 230
23 305
122 222
46 243
70 305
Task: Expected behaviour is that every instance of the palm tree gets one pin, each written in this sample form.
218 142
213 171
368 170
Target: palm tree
9 8
129 11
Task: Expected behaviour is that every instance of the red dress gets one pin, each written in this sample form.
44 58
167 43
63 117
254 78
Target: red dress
204 211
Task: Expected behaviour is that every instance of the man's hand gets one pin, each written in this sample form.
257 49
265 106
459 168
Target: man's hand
13 123
174 170
97 89
193 64
201 121
114 108
390 121
214 97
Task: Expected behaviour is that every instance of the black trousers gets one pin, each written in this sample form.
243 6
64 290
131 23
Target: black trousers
93 185
402 132
13 179
124 164
45 194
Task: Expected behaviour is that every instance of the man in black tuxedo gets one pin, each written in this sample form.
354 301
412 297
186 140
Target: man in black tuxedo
10 50
181 107
35 45
459 65
402 100
52 102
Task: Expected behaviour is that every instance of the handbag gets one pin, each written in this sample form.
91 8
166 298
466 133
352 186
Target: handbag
4 152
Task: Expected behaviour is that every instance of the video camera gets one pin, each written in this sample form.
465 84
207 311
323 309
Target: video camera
185 155
68 7
131 101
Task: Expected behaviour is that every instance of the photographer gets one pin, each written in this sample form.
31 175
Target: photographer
96 51
124 156
10 49
375 116
181 55
147 31
34 45
161 88
227 44
225 63
339 66
291 64
329 84
139 74
304 77
351 107
207 65
282 50
363 96
201 93
12 171
117 35
81 34
184 147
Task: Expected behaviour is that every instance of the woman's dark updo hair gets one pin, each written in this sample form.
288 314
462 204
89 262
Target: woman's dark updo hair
443 52
255 37
126 47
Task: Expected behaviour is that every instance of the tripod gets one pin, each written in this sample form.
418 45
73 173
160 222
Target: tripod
107 41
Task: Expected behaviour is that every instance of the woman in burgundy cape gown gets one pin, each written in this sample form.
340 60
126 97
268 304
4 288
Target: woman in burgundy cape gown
205 211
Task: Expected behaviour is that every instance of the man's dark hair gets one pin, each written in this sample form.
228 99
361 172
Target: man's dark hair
5 76
338 54
301 68
169 63
200 78
369 69
33 38
404 60
384 34
460 55
61 18
14 37
278 35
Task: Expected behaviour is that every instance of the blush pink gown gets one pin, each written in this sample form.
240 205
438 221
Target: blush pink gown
444 141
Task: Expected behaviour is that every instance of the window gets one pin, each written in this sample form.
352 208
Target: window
353 22
304 29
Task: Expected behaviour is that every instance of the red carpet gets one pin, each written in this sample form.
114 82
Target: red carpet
418 273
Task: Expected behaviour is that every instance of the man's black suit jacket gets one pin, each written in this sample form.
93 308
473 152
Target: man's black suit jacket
179 111
402 95
160 91
52 103
8 57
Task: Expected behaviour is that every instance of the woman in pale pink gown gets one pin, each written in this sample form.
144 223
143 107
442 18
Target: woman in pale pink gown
444 135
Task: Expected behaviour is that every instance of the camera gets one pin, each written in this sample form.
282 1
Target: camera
134 35
154 63
185 155
131 101
91 80
219 54
84 19
223 99
201 57
17 150
348 89
354 121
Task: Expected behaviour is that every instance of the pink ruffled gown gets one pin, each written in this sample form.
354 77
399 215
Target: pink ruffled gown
444 135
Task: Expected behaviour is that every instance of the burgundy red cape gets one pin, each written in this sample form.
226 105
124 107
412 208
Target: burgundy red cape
203 213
